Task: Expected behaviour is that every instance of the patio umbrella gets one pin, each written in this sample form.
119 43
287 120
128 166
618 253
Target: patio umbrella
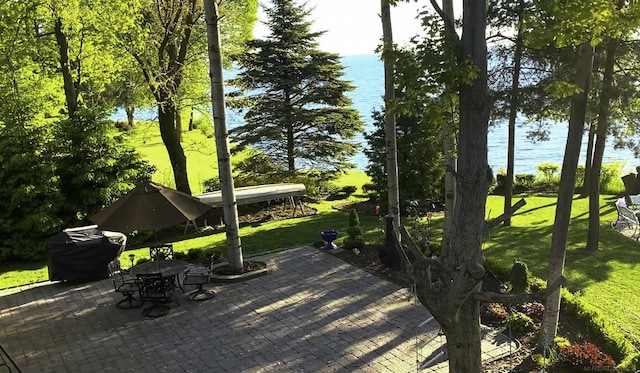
149 206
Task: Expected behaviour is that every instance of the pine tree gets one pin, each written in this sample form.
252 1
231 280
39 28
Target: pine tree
421 171
294 102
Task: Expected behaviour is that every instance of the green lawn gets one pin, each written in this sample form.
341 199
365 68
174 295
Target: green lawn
606 279
202 163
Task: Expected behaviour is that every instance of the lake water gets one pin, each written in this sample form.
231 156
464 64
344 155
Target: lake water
366 74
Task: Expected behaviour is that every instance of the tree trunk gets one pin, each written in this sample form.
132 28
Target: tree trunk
389 116
70 91
593 233
166 117
178 125
588 161
513 114
450 161
230 206
463 339
191 120
565 192
130 115
460 267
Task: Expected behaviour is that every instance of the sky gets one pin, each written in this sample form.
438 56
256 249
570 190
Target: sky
354 26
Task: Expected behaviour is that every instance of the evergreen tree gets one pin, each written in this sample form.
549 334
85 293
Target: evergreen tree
421 171
295 107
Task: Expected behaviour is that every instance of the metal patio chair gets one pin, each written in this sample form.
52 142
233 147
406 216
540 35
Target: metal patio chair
158 290
199 276
161 252
125 284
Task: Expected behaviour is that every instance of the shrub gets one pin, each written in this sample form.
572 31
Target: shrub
586 355
533 310
519 322
519 277
525 180
211 185
341 193
354 239
493 312
548 171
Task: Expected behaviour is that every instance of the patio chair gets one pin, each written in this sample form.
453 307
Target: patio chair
158 290
199 276
125 284
161 252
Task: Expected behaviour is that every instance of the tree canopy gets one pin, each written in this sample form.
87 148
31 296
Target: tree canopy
294 101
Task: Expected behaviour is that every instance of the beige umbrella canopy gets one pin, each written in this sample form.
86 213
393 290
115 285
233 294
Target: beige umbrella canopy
149 206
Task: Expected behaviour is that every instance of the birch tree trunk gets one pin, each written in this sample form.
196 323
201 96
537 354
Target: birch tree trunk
389 115
565 192
450 157
230 207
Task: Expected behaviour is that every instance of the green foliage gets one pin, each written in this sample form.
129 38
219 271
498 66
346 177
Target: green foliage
211 185
341 193
259 169
548 171
295 105
93 166
561 342
29 188
354 239
519 277
421 171
55 176
519 322
630 363
525 181
609 173
580 173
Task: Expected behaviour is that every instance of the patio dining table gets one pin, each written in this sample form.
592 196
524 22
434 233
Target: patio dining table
168 268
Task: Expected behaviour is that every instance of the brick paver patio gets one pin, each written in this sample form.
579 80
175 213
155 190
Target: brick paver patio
315 313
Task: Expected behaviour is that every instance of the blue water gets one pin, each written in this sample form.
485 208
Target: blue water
366 74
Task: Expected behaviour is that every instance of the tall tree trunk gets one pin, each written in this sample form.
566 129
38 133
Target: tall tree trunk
166 117
178 125
565 192
513 114
588 161
593 233
191 120
450 160
230 206
130 110
389 115
460 266
70 91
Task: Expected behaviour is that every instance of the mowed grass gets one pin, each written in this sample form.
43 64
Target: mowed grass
606 279
200 151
